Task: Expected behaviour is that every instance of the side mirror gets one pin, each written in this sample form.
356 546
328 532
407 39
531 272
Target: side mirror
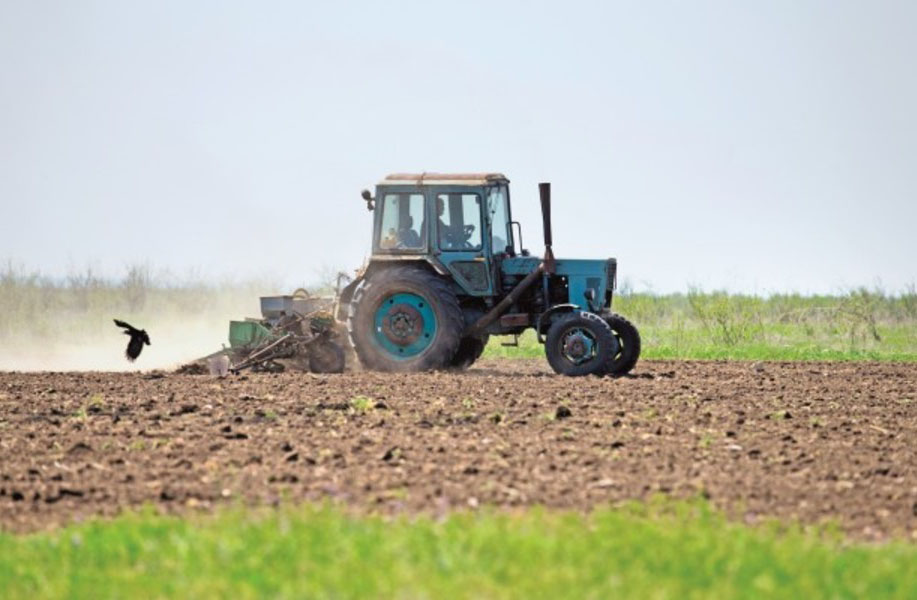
369 199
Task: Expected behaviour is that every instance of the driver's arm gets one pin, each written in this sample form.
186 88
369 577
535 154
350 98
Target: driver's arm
445 235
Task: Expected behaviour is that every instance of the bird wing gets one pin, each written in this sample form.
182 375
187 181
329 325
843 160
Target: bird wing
127 326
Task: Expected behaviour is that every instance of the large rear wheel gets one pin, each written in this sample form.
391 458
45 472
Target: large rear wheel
625 359
405 319
580 343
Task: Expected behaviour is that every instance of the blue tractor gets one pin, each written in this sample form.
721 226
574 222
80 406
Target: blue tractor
448 270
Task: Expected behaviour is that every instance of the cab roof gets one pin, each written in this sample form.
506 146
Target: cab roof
469 179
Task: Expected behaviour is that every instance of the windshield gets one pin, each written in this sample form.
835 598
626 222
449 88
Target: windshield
501 239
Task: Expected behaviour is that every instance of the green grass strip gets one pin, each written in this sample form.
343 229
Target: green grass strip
899 345
670 550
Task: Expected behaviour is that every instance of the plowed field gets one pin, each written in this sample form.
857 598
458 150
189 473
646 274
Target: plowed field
806 441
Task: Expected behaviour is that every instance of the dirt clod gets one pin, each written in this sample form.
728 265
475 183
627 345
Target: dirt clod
562 412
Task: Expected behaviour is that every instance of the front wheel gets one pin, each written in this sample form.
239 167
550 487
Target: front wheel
579 344
628 338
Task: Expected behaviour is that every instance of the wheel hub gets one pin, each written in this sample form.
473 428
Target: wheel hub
578 346
405 325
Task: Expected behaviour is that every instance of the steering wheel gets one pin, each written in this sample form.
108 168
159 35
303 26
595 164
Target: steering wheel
467 232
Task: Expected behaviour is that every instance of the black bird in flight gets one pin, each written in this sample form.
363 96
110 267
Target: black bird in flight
138 339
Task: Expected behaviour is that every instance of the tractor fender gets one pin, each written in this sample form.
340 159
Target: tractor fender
384 262
557 308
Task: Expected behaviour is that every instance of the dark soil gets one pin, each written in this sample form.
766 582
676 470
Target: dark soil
806 441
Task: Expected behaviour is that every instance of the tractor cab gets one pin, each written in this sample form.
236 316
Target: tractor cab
457 223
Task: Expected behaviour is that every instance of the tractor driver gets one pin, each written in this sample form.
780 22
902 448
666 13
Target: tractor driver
450 236
408 237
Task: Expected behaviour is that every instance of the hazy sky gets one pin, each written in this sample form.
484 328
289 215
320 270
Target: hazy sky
758 146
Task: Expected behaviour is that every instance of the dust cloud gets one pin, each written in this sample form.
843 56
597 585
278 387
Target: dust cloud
173 342
49 324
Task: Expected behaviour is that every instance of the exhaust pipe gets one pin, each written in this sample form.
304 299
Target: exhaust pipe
544 190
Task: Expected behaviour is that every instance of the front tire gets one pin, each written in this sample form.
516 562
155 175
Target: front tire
580 343
625 359
405 319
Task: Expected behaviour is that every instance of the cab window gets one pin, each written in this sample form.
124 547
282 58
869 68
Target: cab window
459 221
402 222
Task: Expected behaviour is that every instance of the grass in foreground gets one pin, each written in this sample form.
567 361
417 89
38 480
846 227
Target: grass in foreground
661 550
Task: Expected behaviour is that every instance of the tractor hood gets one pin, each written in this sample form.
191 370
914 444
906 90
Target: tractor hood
581 275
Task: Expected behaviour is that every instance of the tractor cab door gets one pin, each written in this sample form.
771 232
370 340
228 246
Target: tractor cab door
459 235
